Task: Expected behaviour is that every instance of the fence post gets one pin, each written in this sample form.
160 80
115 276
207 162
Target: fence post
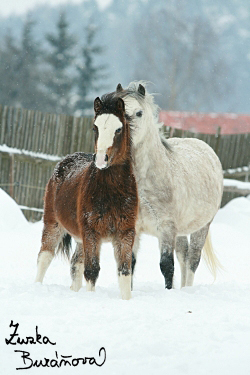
12 171
248 173
217 137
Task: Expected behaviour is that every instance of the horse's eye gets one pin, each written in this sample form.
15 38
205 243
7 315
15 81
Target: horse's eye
118 130
94 128
139 114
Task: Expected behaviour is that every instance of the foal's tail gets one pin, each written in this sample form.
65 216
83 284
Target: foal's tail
64 247
210 257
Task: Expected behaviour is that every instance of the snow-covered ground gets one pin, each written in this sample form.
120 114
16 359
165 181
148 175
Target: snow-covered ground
199 330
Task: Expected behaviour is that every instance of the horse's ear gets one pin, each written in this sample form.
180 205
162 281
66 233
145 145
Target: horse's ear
119 88
97 104
120 105
141 90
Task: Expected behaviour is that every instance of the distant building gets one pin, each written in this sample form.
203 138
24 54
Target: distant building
208 123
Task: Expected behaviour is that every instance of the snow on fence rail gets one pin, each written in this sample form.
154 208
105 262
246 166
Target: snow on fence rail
235 186
32 142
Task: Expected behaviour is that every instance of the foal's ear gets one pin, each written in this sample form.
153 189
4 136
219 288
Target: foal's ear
119 88
97 104
120 105
141 90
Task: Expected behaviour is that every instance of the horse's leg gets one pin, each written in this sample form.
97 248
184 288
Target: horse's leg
181 249
134 256
77 268
52 235
167 245
123 245
91 251
197 241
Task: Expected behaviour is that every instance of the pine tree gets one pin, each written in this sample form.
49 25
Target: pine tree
31 96
9 87
19 72
59 83
89 74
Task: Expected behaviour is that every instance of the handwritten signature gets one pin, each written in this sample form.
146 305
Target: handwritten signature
65 360
57 361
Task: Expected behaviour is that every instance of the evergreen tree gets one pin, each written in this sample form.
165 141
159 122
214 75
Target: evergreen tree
9 87
59 82
29 73
19 71
89 74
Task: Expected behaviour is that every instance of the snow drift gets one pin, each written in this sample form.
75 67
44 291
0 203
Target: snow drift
204 329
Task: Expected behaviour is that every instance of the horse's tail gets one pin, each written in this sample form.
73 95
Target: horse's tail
210 257
64 247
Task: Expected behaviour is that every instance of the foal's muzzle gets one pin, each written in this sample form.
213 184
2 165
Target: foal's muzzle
101 159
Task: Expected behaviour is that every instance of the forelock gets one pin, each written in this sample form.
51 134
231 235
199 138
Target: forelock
146 100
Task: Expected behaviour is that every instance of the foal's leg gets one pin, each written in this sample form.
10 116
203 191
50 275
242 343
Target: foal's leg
181 248
77 268
52 235
123 244
134 256
91 250
197 241
167 245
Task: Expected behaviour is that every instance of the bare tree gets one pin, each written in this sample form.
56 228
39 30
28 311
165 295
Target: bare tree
182 57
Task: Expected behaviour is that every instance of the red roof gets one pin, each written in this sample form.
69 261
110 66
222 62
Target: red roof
208 123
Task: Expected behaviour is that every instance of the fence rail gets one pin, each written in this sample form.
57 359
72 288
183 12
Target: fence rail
24 174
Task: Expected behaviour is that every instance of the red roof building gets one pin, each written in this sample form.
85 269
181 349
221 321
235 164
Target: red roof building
208 123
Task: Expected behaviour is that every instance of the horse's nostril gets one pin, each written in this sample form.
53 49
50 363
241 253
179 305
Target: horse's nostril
106 158
94 157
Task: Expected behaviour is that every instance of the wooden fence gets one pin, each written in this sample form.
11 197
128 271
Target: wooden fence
24 175
233 150
45 133
48 137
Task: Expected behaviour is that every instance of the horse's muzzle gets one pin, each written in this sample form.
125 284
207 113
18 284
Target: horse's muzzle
101 160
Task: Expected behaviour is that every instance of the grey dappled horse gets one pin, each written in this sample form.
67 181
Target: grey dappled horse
180 186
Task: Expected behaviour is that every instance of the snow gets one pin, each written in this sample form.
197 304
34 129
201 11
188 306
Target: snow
13 150
204 329
239 169
238 184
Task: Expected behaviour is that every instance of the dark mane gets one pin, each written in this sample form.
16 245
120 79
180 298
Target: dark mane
109 102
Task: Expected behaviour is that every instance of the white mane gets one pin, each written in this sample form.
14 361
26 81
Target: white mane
147 101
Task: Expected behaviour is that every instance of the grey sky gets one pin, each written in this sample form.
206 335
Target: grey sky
8 7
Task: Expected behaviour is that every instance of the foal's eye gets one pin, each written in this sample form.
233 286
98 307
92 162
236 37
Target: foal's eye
118 130
139 114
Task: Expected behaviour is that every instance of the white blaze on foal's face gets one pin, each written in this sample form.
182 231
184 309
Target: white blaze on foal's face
107 125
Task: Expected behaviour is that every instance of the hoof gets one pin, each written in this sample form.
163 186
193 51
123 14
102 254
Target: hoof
75 288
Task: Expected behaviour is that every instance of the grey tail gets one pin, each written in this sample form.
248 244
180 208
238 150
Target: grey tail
64 247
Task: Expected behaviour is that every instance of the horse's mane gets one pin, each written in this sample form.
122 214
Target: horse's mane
146 100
